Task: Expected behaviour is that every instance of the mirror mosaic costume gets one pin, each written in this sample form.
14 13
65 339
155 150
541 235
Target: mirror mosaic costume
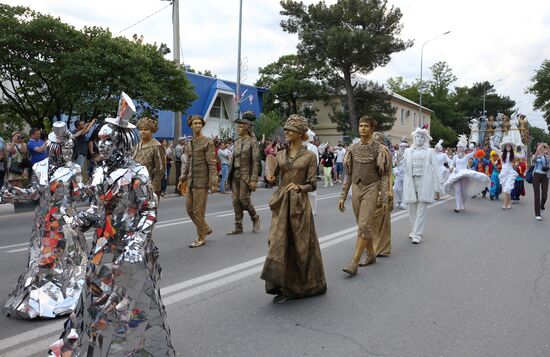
51 284
120 312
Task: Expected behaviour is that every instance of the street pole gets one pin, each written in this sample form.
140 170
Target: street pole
177 59
421 66
238 91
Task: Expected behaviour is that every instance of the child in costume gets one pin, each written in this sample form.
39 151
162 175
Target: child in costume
519 187
481 164
495 166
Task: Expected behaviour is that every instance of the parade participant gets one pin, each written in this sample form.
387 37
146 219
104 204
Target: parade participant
464 182
293 267
120 310
399 173
382 214
494 171
507 175
313 148
52 281
422 179
444 162
150 153
481 165
243 176
199 174
367 167
519 187
541 163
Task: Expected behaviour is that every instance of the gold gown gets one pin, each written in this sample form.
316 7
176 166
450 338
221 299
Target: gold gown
293 266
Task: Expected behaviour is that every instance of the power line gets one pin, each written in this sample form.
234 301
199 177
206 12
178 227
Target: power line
145 18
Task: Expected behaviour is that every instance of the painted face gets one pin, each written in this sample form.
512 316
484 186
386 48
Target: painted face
106 145
196 125
291 136
242 129
67 150
365 129
419 140
460 149
145 134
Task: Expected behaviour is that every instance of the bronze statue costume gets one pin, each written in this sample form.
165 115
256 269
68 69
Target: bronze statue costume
243 176
150 153
120 312
199 174
382 214
51 284
367 169
293 267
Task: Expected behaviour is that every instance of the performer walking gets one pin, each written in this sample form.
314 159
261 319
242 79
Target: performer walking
293 267
399 173
367 167
243 176
120 310
51 284
465 182
507 176
494 171
422 179
314 149
150 153
199 174
444 162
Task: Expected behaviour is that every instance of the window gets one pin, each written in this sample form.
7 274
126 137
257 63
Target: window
219 110
402 116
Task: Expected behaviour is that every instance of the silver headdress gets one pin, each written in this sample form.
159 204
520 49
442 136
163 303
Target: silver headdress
462 141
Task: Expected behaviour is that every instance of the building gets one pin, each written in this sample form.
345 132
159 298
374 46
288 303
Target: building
216 103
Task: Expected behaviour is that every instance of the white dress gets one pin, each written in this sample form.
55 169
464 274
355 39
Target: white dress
514 132
475 181
507 176
443 158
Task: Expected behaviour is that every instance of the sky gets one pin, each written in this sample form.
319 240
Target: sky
490 40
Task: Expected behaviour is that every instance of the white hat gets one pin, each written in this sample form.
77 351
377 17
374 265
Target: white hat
439 145
126 110
507 140
462 141
422 132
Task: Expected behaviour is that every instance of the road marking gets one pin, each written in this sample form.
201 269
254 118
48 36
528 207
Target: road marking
205 283
14 245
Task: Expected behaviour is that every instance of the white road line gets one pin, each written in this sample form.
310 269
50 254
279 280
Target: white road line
14 245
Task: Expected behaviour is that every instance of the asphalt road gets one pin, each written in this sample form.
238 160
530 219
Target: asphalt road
478 285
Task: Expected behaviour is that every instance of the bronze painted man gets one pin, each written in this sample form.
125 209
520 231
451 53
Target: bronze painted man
199 174
367 173
150 153
243 176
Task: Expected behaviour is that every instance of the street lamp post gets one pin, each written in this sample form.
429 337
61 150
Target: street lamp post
421 65
484 92
239 69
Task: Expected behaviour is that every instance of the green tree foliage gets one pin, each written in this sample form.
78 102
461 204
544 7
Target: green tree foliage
49 69
291 81
351 36
267 124
541 90
469 100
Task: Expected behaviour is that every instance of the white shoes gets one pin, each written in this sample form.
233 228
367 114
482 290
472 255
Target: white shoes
538 218
415 240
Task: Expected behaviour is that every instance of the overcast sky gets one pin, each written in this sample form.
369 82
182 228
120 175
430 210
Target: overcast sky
489 39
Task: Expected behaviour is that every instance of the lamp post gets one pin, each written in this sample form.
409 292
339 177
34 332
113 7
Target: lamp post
239 69
484 92
421 59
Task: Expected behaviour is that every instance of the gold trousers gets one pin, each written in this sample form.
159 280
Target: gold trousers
195 203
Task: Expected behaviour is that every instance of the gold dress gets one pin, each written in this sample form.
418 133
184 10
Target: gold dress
293 266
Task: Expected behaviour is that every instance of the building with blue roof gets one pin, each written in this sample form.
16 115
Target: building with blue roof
216 103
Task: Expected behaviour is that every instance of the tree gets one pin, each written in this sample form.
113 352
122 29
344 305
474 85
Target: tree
469 100
537 135
541 90
267 124
290 80
349 37
49 69
442 78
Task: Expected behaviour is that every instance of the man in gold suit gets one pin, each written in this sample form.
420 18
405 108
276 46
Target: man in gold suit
200 174
150 153
243 176
367 170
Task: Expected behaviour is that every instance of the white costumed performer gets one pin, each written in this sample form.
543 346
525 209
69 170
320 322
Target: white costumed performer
507 176
314 149
422 179
399 173
442 159
464 182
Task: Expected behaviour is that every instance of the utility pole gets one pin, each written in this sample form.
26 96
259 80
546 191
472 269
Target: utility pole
177 59
239 60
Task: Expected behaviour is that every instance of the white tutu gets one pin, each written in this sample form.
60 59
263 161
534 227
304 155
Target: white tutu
507 178
476 182
445 173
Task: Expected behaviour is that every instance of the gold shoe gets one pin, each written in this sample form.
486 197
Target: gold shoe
369 259
197 243
256 224
235 231
351 269
209 231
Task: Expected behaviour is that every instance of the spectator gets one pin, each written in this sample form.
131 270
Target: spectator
170 156
327 161
2 162
340 164
17 152
36 146
179 151
80 142
224 156
541 162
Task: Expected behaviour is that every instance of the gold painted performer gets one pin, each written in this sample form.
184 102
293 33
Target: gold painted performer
293 267
150 153
199 175
367 173
243 177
